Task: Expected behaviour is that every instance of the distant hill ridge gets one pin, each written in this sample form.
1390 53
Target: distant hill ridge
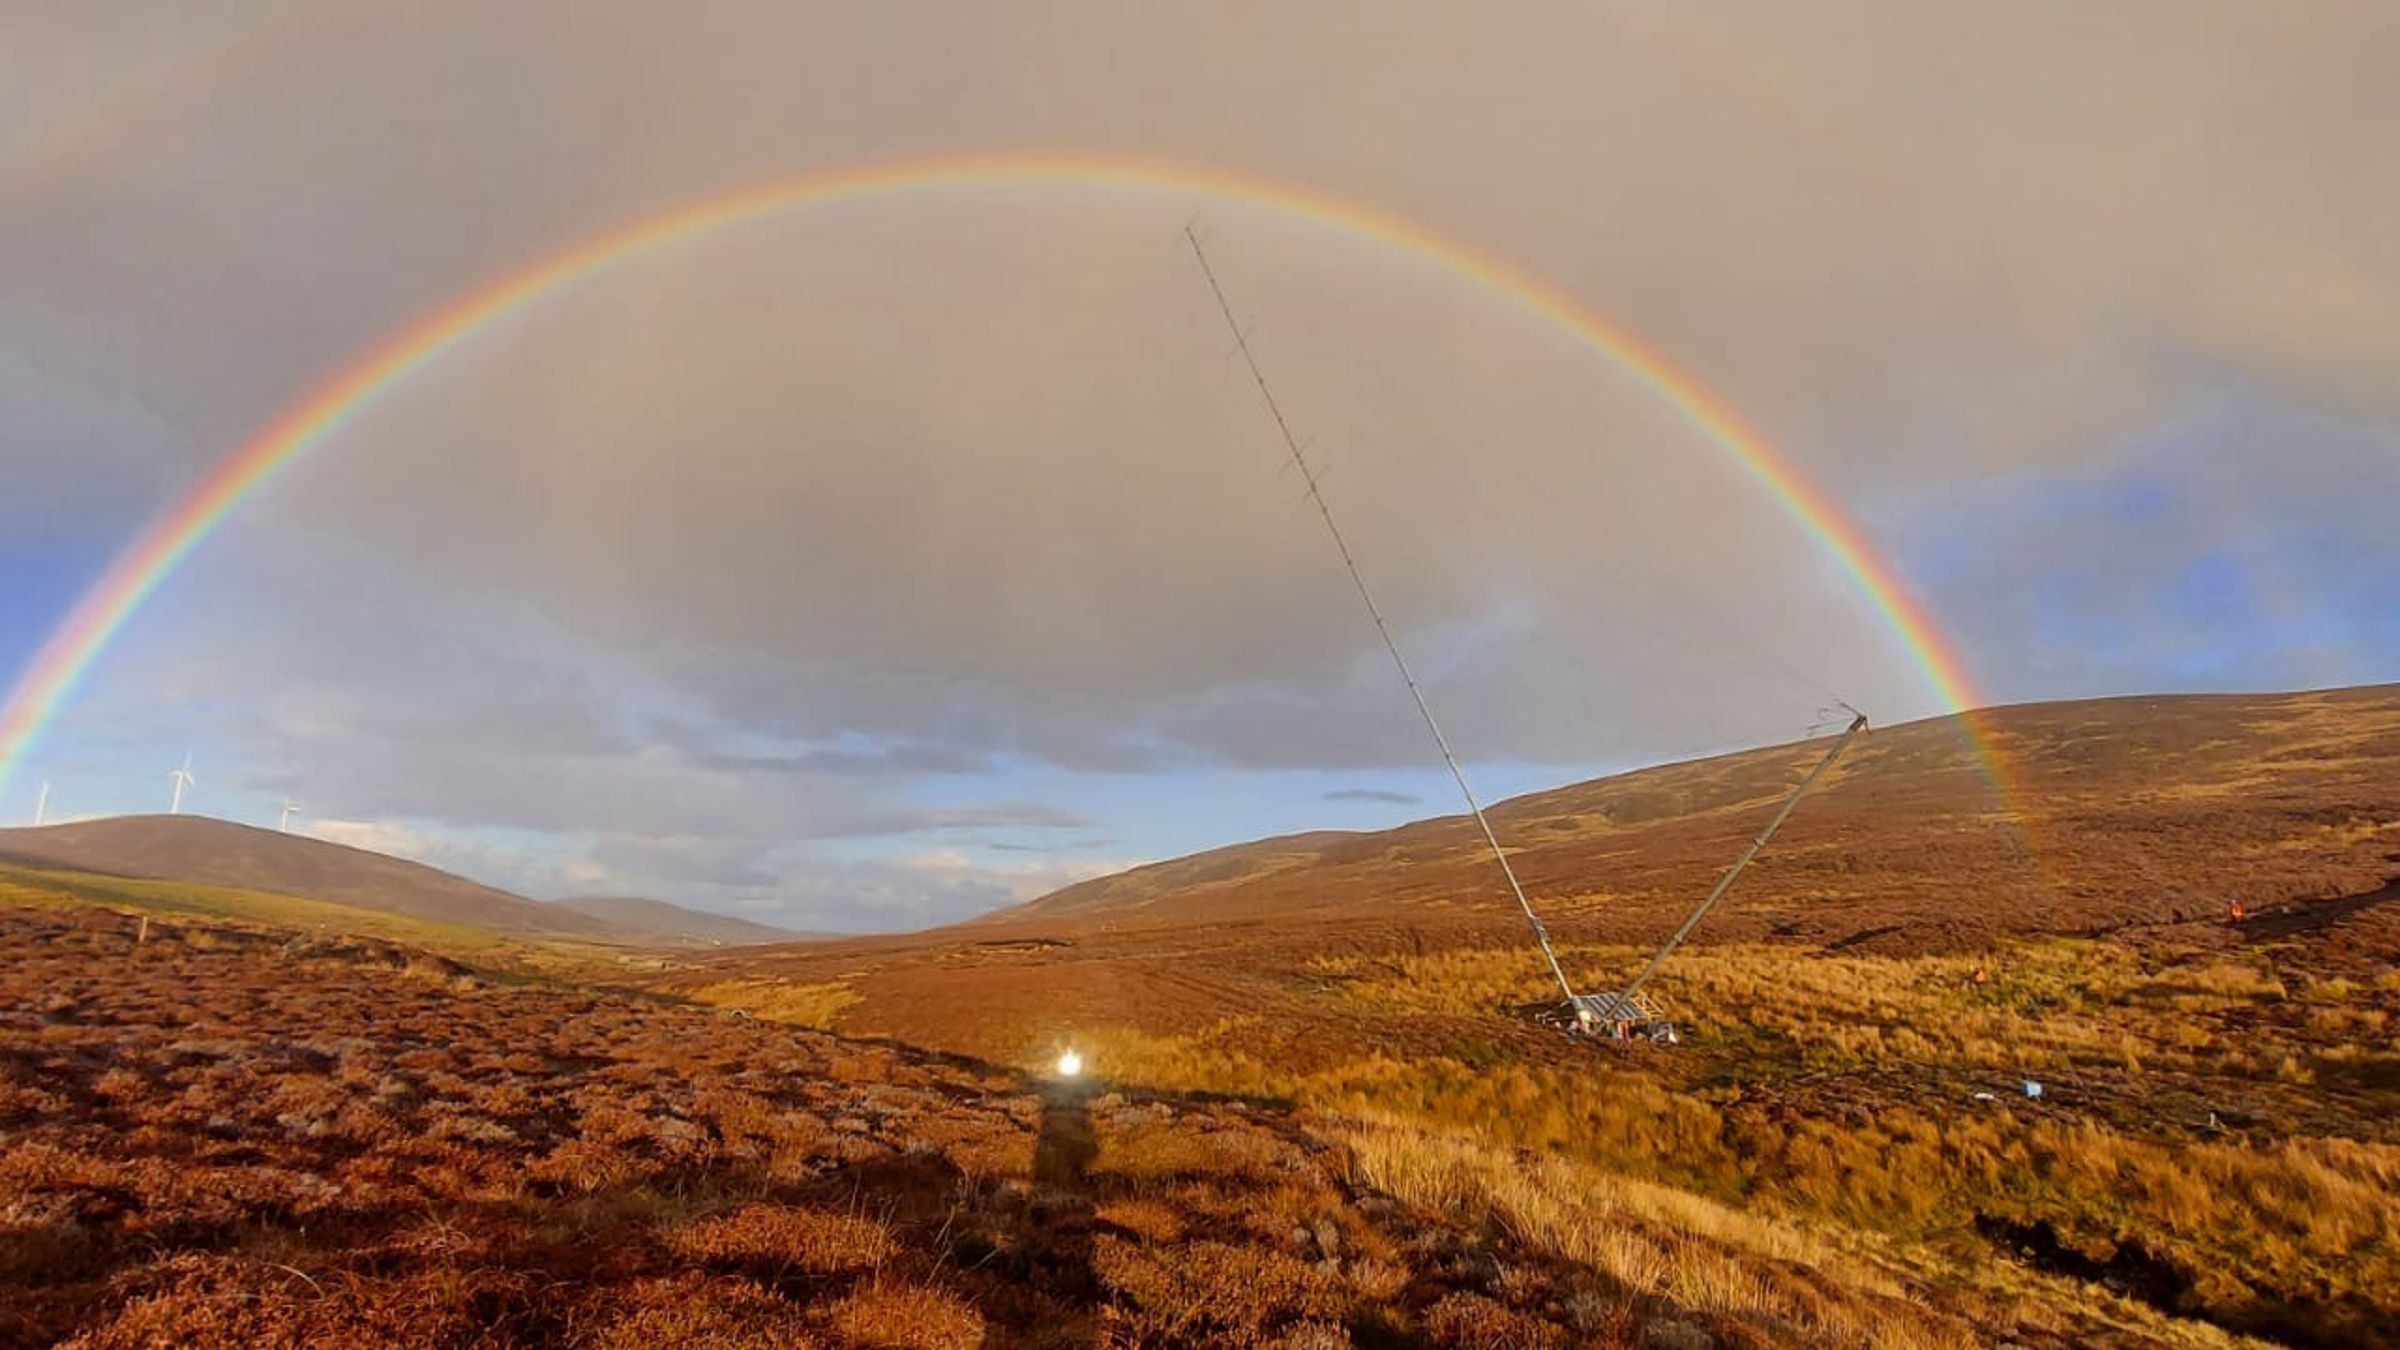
2111 798
215 852
659 918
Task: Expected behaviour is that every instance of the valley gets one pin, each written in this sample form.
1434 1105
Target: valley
1949 1074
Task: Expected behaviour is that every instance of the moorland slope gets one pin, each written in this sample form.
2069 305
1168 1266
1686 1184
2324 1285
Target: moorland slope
668 922
211 852
2056 817
222 1135
2219 1124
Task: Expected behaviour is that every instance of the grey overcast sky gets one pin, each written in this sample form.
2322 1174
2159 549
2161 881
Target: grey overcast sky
871 564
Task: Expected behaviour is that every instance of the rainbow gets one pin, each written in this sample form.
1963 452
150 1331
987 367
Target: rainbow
69 653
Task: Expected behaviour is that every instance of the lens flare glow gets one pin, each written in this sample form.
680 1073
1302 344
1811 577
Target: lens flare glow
1070 1065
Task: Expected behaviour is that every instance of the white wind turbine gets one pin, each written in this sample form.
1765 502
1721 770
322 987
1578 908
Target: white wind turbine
182 778
285 824
41 805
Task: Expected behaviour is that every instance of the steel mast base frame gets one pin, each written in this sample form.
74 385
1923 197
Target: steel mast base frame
1628 1014
1622 1017
1609 1017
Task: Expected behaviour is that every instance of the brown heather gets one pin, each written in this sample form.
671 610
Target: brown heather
1345 1130
2218 1138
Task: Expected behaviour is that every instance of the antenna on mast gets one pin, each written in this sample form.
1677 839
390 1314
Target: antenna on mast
1316 495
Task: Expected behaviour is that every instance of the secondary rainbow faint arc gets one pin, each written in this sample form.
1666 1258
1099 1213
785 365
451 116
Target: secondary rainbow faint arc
154 554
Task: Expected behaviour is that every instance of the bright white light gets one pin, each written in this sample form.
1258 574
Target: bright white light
1070 1064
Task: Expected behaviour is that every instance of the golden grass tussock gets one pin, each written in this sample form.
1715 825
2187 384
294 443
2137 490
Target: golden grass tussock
891 1316
1214 1293
1653 1240
2244 1224
816 1006
1165 1150
772 1240
691 1311
1473 1322
1148 1219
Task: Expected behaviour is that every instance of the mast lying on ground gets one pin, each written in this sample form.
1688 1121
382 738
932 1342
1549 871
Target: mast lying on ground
1625 1013
1316 494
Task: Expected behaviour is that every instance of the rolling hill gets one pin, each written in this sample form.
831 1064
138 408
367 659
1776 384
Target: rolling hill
210 852
1862 1017
1970 1057
228 1137
673 923
2067 817
2134 820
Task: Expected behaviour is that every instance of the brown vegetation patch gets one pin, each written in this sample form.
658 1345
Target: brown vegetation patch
230 1133
772 1240
219 1141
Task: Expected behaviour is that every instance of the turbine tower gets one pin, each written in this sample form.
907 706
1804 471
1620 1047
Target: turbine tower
285 824
41 805
181 778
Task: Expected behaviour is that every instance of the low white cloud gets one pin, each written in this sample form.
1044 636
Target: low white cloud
809 891
1023 881
379 836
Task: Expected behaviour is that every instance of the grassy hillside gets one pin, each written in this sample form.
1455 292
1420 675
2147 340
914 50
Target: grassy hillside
659 920
221 853
2216 1132
1331 1119
223 1137
34 888
2114 811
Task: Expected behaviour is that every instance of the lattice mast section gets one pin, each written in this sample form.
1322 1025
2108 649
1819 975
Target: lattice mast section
1383 629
